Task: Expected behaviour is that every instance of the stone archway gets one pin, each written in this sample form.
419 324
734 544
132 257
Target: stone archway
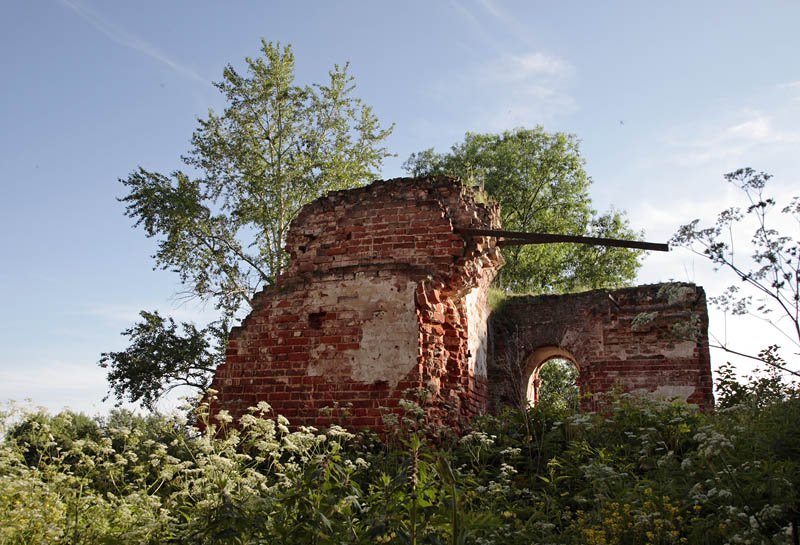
532 383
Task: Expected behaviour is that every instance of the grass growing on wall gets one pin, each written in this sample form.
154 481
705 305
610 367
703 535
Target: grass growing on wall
497 297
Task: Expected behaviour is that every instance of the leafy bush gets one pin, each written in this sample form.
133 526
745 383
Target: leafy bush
637 472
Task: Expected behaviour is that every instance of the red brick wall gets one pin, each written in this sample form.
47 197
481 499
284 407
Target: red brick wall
381 296
374 303
611 347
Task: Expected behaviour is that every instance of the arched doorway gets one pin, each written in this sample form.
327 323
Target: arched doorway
552 375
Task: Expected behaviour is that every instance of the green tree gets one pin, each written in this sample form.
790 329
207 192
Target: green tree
161 356
275 147
540 182
558 385
40 435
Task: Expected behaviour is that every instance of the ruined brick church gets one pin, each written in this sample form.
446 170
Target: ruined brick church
384 294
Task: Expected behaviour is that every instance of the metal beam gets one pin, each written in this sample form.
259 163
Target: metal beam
518 238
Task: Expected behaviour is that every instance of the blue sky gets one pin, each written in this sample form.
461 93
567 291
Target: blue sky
666 97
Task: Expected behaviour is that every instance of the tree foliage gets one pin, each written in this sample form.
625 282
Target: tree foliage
275 147
540 182
222 226
163 356
558 385
769 286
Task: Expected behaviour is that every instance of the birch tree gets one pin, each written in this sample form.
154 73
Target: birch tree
222 225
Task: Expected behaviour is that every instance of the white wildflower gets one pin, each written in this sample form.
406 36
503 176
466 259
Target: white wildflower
224 416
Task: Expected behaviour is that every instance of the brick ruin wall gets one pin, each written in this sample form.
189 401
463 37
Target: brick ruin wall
380 296
649 339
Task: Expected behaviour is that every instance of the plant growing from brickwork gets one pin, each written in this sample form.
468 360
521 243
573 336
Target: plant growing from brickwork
540 182
769 287
222 227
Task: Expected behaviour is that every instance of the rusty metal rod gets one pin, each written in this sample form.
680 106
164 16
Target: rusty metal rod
517 238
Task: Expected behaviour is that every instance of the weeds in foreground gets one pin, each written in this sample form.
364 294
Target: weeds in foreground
640 472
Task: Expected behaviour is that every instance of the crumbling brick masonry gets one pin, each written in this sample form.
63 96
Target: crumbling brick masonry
382 296
648 339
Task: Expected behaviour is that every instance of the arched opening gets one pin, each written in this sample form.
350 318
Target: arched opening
552 376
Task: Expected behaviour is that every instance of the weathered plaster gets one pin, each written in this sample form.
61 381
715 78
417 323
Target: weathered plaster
384 310
477 306
681 349
381 296
667 393
390 337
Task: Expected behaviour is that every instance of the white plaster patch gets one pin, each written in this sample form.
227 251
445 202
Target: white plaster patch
570 338
684 349
390 337
615 352
477 305
671 392
314 367
388 321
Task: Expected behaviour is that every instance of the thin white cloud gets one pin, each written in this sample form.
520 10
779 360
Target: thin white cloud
477 25
505 91
756 129
663 218
56 385
535 69
127 39
523 89
115 312
536 64
704 198
30 380
509 22
735 136
491 7
509 86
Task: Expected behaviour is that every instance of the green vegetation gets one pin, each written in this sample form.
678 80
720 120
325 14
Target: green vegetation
276 147
540 183
559 387
496 298
639 472
161 358
769 281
